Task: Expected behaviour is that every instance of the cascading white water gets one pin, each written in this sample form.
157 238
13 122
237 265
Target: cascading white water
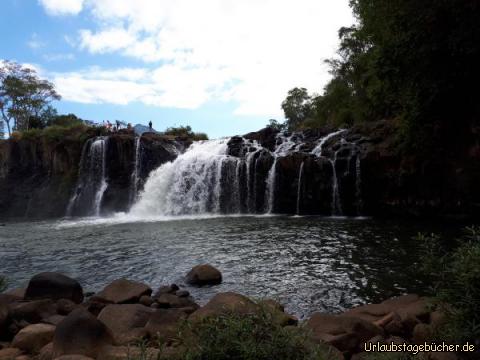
284 145
136 170
92 183
358 184
317 151
189 185
299 188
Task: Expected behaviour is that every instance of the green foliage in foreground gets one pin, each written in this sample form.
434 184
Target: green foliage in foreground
253 337
456 278
242 337
3 284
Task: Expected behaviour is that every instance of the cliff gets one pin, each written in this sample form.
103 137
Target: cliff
359 171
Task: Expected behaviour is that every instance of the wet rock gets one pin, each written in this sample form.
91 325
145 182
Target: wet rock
126 321
50 285
82 334
225 303
204 275
166 289
10 353
33 337
123 291
164 324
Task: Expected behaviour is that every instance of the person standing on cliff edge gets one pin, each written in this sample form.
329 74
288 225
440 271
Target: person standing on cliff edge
150 125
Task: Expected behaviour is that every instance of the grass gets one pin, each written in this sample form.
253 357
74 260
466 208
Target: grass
456 278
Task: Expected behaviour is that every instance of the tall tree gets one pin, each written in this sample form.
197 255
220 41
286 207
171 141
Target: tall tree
23 95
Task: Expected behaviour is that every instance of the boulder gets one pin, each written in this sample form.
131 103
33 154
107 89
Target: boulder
164 324
33 311
422 333
173 301
54 319
126 321
18 293
225 303
33 337
123 291
146 300
65 306
343 332
10 353
73 357
204 275
166 289
80 333
46 352
50 285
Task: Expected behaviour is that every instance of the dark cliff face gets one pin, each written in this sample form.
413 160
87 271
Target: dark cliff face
360 172
38 178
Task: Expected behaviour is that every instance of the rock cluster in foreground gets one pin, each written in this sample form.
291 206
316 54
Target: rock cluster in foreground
51 319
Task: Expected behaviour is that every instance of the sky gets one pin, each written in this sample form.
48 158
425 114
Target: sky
221 66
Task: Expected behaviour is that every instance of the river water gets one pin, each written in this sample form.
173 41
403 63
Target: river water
307 263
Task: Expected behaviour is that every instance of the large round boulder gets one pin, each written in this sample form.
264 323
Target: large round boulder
55 286
80 333
123 291
223 304
204 275
126 321
4 319
33 338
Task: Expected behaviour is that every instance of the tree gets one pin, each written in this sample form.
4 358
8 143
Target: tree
297 107
23 95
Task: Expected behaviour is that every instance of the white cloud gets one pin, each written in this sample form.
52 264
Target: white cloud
62 7
35 42
58 57
250 51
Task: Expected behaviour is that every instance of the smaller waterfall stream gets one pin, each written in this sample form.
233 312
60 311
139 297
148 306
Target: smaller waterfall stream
299 189
92 182
136 170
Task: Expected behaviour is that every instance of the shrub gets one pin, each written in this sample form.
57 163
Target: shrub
456 279
3 284
248 337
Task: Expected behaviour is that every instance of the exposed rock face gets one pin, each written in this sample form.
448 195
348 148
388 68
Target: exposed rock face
38 177
55 286
204 275
360 171
225 303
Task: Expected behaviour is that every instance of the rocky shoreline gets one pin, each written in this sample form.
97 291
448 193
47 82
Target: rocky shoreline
53 319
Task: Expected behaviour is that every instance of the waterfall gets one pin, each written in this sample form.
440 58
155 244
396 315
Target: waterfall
91 183
190 185
136 170
270 189
317 151
358 184
299 189
336 204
